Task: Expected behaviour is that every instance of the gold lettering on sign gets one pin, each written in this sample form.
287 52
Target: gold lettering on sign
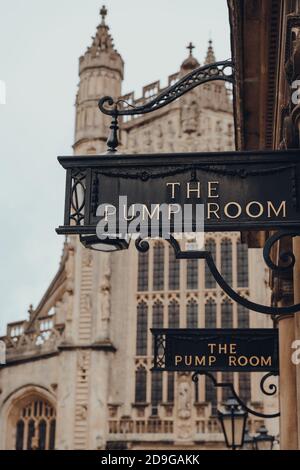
178 360
173 188
173 209
249 208
271 209
193 190
147 214
238 210
200 361
213 208
266 361
212 189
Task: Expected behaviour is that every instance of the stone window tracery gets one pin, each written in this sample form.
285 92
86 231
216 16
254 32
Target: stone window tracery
193 300
35 426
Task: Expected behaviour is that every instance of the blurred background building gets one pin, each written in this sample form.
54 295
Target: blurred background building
78 369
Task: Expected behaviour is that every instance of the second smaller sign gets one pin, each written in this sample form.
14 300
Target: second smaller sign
235 350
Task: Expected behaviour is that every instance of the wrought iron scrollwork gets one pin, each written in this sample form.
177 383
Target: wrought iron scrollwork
229 386
77 196
272 387
287 258
217 71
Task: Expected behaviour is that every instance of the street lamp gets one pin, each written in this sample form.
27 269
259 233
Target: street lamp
108 245
233 421
263 440
248 440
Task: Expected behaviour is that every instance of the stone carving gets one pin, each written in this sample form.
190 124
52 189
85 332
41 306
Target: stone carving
82 412
189 117
171 134
159 138
185 431
105 293
147 140
105 297
87 257
184 400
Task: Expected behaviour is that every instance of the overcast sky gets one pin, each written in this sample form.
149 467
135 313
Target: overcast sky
40 43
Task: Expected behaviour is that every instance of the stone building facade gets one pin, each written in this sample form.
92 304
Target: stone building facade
77 374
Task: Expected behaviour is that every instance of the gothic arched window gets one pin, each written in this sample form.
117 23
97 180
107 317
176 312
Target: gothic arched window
158 266
142 329
192 274
143 264
174 271
242 264
173 314
243 317
210 314
245 386
158 314
156 390
35 428
210 283
211 394
170 386
226 260
227 378
141 385
20 434
192 314
157 317
226 314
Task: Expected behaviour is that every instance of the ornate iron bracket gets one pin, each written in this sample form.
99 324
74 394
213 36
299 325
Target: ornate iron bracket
271 392
287 262
207 73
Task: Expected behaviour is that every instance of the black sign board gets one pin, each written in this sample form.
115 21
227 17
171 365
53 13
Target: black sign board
238 190
208 350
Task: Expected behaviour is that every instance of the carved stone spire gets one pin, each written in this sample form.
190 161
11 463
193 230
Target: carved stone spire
102 48
101 73
210 55
103 40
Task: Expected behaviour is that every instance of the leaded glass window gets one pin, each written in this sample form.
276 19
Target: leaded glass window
192 274
226 260
226 314
243 317
142 329
158 266
192 314
173 314
174 271
143 266
140 385
210 283
242 264
35 428
210 314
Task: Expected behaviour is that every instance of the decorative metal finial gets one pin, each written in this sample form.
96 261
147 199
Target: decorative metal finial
103 13
190 47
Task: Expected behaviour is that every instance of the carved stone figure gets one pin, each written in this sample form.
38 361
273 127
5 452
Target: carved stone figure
184 400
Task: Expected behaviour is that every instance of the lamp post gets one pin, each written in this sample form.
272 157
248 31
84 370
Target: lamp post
248 440
263 440
233 421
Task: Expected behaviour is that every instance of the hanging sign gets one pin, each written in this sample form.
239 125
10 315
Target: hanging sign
231 191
